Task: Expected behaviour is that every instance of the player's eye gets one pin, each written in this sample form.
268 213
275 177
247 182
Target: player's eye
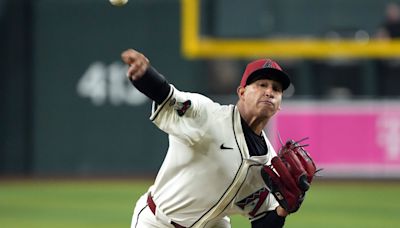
277 88
262 84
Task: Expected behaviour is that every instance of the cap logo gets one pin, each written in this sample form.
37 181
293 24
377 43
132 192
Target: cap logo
268 64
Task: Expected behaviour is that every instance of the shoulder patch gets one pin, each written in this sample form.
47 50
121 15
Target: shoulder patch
172 102
182 107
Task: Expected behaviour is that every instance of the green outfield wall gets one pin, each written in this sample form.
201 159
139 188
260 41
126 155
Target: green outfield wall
66 107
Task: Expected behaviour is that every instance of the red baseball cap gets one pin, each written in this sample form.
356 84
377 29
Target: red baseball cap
264 68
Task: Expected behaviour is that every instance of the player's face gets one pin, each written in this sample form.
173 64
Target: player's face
263 97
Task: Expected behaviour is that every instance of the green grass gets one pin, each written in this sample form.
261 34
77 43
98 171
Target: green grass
108 203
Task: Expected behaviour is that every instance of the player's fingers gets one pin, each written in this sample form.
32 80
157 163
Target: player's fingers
132 69
130 56
137 70
127 56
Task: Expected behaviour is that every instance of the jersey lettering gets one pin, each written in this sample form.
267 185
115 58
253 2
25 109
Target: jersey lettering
254 201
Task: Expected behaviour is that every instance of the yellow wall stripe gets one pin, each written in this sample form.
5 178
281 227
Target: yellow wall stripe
194 46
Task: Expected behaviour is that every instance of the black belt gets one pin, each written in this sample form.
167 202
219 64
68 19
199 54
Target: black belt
152 206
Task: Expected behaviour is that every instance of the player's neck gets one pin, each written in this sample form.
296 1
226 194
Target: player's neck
256 124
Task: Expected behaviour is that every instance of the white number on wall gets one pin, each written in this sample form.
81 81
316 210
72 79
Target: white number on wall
103 83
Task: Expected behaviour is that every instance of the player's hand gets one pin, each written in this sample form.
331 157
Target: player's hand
281 211
138 63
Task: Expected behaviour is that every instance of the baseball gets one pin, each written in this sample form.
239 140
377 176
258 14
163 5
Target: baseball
118 2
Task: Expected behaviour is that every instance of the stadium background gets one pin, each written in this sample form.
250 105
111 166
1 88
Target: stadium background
68 116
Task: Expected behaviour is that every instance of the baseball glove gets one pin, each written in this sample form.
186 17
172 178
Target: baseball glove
290 174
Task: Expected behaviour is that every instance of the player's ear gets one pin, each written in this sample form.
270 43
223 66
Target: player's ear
240 91
279 105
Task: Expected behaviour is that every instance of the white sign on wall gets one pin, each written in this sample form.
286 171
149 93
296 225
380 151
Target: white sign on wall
103 84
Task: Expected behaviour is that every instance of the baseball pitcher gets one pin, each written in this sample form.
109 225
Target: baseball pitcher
219 161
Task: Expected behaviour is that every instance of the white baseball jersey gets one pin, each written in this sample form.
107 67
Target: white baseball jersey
207 172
